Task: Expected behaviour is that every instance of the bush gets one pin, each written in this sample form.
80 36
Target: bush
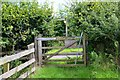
103 61
22 22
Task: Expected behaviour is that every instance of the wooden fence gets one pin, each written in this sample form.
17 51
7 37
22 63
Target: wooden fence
36 56
43 57
5 62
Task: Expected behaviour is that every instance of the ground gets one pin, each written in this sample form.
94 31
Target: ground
73 72
91 71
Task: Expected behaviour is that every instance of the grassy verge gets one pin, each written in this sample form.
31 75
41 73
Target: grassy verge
92 71
74 72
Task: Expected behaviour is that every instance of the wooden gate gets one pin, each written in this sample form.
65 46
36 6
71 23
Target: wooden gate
44 55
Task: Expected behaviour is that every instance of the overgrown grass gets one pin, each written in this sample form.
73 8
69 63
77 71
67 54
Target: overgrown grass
65 50
74 72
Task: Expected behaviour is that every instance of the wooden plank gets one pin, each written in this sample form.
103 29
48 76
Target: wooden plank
84 49
72 53
26 74
63 61
57 38
30 46
46 39
86 45
36 50
40 52
61 47
67 42
17 69
52 47
6 59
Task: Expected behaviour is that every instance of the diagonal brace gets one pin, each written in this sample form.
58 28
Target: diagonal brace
60 50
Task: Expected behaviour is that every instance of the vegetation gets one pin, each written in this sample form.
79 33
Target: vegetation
74 72
23 21
98 69
99 20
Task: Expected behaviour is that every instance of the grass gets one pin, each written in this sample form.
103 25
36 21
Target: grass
73 72
65 50
92 71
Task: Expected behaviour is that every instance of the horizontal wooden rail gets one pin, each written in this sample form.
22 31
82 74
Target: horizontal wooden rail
63 61
15 56
61 47
46 39
16 69
57 38
72 53
52 47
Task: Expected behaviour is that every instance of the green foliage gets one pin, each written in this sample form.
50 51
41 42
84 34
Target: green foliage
98 19
103 61
23 21
59 27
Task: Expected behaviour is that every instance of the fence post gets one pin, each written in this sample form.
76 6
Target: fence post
30 46
86 44
36 50
40 51
84 49
6 67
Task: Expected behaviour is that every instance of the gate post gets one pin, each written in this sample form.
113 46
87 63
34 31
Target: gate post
36 50
39 51
85 48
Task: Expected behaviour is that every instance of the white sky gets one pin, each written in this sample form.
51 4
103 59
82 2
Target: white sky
57 4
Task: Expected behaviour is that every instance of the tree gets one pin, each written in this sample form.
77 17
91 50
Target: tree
98 19
22 22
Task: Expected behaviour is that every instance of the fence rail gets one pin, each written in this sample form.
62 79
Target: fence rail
57 38
5 62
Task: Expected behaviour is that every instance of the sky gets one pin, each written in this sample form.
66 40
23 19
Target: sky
57 4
